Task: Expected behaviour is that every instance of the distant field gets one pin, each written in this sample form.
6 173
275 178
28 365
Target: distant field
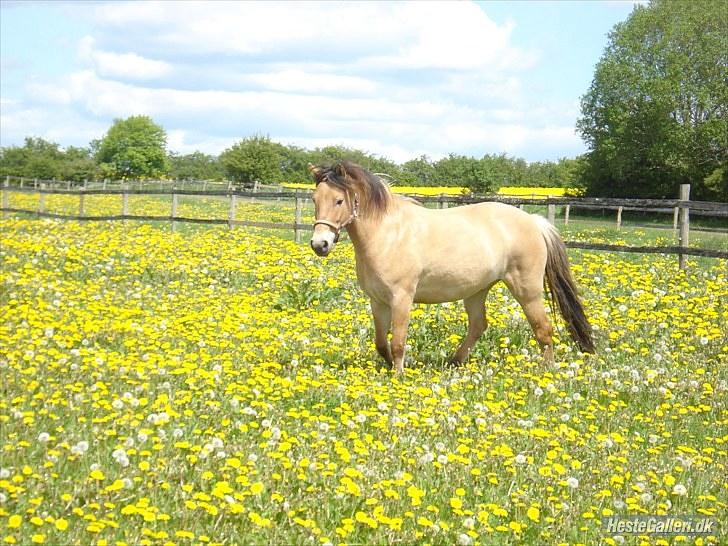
537 192
456 190
416 190
583 228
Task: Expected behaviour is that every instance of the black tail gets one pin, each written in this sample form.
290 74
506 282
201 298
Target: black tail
563 290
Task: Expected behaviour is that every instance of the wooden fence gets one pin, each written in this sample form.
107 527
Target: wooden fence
681 208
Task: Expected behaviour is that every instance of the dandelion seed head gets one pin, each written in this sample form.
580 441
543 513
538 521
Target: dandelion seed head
680 490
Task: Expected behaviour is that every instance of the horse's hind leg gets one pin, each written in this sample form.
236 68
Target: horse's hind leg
477 323
530 296
382 321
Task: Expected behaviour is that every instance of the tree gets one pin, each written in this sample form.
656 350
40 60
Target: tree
39 158
77 164
656 113
460 170
134 147
501 170
379 165
253 159
195 166
293 163
421 171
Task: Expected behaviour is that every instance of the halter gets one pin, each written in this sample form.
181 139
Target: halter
353 216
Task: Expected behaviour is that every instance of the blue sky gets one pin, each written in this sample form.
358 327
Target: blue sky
398 80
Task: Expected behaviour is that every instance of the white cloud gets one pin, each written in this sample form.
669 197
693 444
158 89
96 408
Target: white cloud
62 126
399 130
182 141
384 35
397 79
300 81
129 66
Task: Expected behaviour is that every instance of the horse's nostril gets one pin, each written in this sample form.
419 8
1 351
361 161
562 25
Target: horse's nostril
325 244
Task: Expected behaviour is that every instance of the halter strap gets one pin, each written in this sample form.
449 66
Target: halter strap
337 228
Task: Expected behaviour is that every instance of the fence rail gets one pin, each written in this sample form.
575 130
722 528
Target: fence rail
681 209
709 208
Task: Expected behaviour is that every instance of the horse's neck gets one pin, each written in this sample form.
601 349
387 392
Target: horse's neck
360 232
366 235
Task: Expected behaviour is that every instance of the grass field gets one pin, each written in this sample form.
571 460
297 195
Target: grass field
215 386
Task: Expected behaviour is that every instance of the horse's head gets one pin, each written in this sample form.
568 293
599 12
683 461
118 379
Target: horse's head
336 207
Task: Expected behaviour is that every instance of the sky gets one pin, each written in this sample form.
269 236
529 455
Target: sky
395 79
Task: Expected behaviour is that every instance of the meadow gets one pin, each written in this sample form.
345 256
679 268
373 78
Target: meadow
216 386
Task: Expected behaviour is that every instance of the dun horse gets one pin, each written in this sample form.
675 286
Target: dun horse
406 254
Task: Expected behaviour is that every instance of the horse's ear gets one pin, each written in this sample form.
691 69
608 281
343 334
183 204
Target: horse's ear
317 172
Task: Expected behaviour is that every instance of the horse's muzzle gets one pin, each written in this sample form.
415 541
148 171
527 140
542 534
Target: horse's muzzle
321 247
323 241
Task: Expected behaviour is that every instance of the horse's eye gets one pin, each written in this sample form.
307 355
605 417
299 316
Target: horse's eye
339 202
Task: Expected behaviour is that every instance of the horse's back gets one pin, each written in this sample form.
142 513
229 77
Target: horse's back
463 250
503 227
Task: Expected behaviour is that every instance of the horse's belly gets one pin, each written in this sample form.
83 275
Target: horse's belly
442 288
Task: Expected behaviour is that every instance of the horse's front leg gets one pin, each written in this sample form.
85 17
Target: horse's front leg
401 305
382 314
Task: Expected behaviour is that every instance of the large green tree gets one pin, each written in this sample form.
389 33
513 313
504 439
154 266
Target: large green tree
134 147
656 113
253 159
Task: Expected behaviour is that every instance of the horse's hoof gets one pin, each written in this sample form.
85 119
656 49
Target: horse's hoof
453 362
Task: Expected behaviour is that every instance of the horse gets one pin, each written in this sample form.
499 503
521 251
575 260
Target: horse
406 253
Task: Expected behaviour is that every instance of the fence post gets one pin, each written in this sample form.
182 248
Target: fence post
619 217
6 194
675 215
41 199
174 207
231 216
22 182
124 201
445 204
299 205
566 215
104 183
35 183
684 222
552 213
